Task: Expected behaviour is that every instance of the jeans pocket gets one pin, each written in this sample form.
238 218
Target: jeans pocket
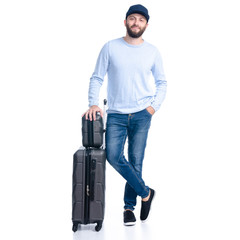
149 114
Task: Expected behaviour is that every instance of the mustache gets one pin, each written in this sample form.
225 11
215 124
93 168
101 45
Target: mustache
135 26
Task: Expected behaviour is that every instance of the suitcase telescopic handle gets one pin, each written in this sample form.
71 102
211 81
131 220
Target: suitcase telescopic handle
104 113
104 121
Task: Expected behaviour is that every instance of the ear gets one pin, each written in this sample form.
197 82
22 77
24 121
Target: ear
125 22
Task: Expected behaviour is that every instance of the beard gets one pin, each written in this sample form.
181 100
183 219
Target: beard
135 34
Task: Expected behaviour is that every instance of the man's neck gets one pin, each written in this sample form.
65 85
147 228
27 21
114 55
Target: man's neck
133 41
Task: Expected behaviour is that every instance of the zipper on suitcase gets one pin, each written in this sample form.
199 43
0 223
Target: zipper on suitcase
90 180
87 171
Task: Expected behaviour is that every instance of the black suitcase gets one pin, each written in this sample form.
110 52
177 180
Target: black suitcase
88 179
88 198
92 132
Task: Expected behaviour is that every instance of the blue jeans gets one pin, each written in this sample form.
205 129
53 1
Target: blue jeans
135 126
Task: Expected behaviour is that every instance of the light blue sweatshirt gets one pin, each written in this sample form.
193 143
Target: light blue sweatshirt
129 69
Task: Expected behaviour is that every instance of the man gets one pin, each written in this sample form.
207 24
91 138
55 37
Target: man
129 62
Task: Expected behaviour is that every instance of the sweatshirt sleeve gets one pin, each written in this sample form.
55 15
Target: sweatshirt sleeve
98 75
160 82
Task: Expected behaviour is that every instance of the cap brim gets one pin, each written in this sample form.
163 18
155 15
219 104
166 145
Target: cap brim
139 12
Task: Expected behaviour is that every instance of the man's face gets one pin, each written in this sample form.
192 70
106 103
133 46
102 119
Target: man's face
136 25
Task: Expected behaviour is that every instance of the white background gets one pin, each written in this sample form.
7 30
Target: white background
48 50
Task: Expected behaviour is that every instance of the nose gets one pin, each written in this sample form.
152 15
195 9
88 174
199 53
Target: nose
136 22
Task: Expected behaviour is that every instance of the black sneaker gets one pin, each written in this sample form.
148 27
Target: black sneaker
146 206
129 218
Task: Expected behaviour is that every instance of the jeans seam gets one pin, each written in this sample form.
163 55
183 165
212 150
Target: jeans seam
122 148
133 171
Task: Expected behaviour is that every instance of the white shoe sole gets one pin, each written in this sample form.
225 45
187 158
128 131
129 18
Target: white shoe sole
130 223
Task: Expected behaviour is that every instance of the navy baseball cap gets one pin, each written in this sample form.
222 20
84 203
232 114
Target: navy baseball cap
138 9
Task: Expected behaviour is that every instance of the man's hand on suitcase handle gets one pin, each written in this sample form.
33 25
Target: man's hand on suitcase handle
91 112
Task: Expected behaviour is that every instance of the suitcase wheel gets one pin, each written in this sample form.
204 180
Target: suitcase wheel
75 227
99 226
